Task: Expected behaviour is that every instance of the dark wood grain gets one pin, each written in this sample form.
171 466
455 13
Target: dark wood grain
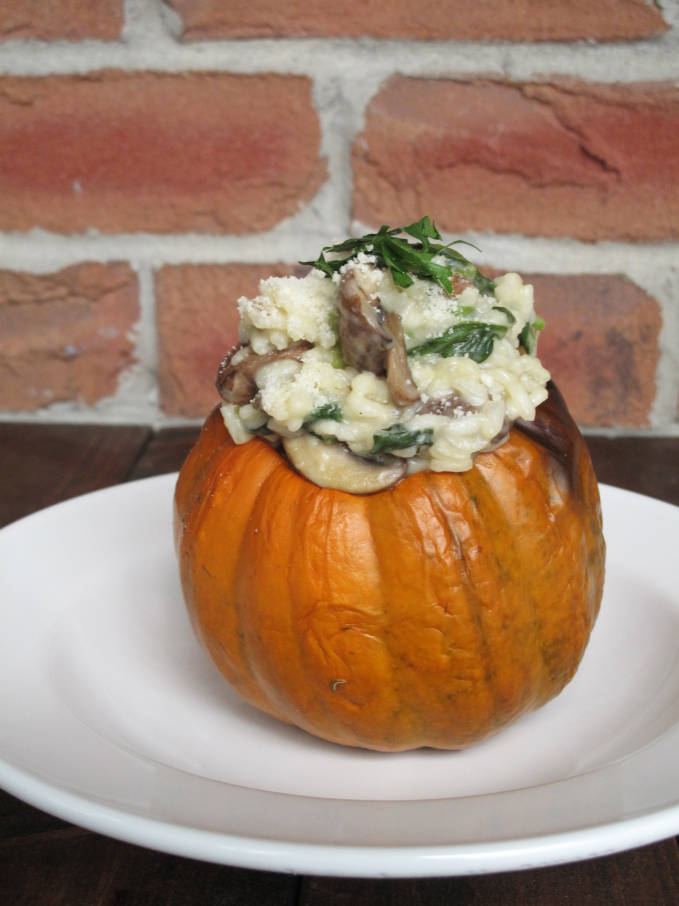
72 867
44 464
47 862
17 819
644 877
165 452
638 464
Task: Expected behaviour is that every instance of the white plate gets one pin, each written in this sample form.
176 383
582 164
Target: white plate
111 717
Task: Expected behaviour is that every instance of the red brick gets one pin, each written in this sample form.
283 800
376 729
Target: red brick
69 20
197 322
600 345
129 152
521 20
64 335
562 158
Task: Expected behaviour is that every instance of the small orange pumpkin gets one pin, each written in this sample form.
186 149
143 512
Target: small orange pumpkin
433 613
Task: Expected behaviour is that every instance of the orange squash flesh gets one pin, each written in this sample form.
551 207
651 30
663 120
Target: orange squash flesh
430 614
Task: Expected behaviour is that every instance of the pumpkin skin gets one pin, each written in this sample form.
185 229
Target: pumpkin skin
433 613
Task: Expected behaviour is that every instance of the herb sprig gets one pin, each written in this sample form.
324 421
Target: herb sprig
406 259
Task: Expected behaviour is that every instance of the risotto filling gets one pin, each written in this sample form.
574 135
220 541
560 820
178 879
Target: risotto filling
392 355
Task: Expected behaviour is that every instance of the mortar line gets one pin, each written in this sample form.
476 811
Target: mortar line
650 59
302 236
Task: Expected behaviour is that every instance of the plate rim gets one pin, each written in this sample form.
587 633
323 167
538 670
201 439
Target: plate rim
269 853
343 860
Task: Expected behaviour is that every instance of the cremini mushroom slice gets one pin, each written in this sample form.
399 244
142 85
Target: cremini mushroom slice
363 339
333 466
400 381
371 338
236 381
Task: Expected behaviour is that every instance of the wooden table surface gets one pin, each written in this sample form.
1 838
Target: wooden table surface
44 860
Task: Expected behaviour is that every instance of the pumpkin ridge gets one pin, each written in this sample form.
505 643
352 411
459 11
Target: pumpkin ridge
569 463
249 528
327 595
349 714
369 725
523 457
284 675
198 508
299 524
227 461
196 467
386 506
495 499
541 454
475 607
246 586
581 604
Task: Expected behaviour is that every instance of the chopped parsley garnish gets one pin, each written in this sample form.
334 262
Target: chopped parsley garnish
397 437
472 338
406 259
327 410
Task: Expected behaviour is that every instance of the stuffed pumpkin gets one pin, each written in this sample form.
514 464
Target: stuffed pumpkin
389 531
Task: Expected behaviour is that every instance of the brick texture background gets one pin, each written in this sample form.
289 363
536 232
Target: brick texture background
69 20
567 159
65 335
159 157
128 152
605 366
469 20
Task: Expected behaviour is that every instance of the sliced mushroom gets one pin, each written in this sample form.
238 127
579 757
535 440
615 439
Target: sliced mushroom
236 382
446 405
372 340
362 336
399 378
333 466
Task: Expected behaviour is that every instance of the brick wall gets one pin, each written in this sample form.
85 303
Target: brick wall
158 157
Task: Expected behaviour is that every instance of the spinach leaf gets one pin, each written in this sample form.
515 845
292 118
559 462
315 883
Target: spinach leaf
397 437
472 338
326 410
528 338
511 318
